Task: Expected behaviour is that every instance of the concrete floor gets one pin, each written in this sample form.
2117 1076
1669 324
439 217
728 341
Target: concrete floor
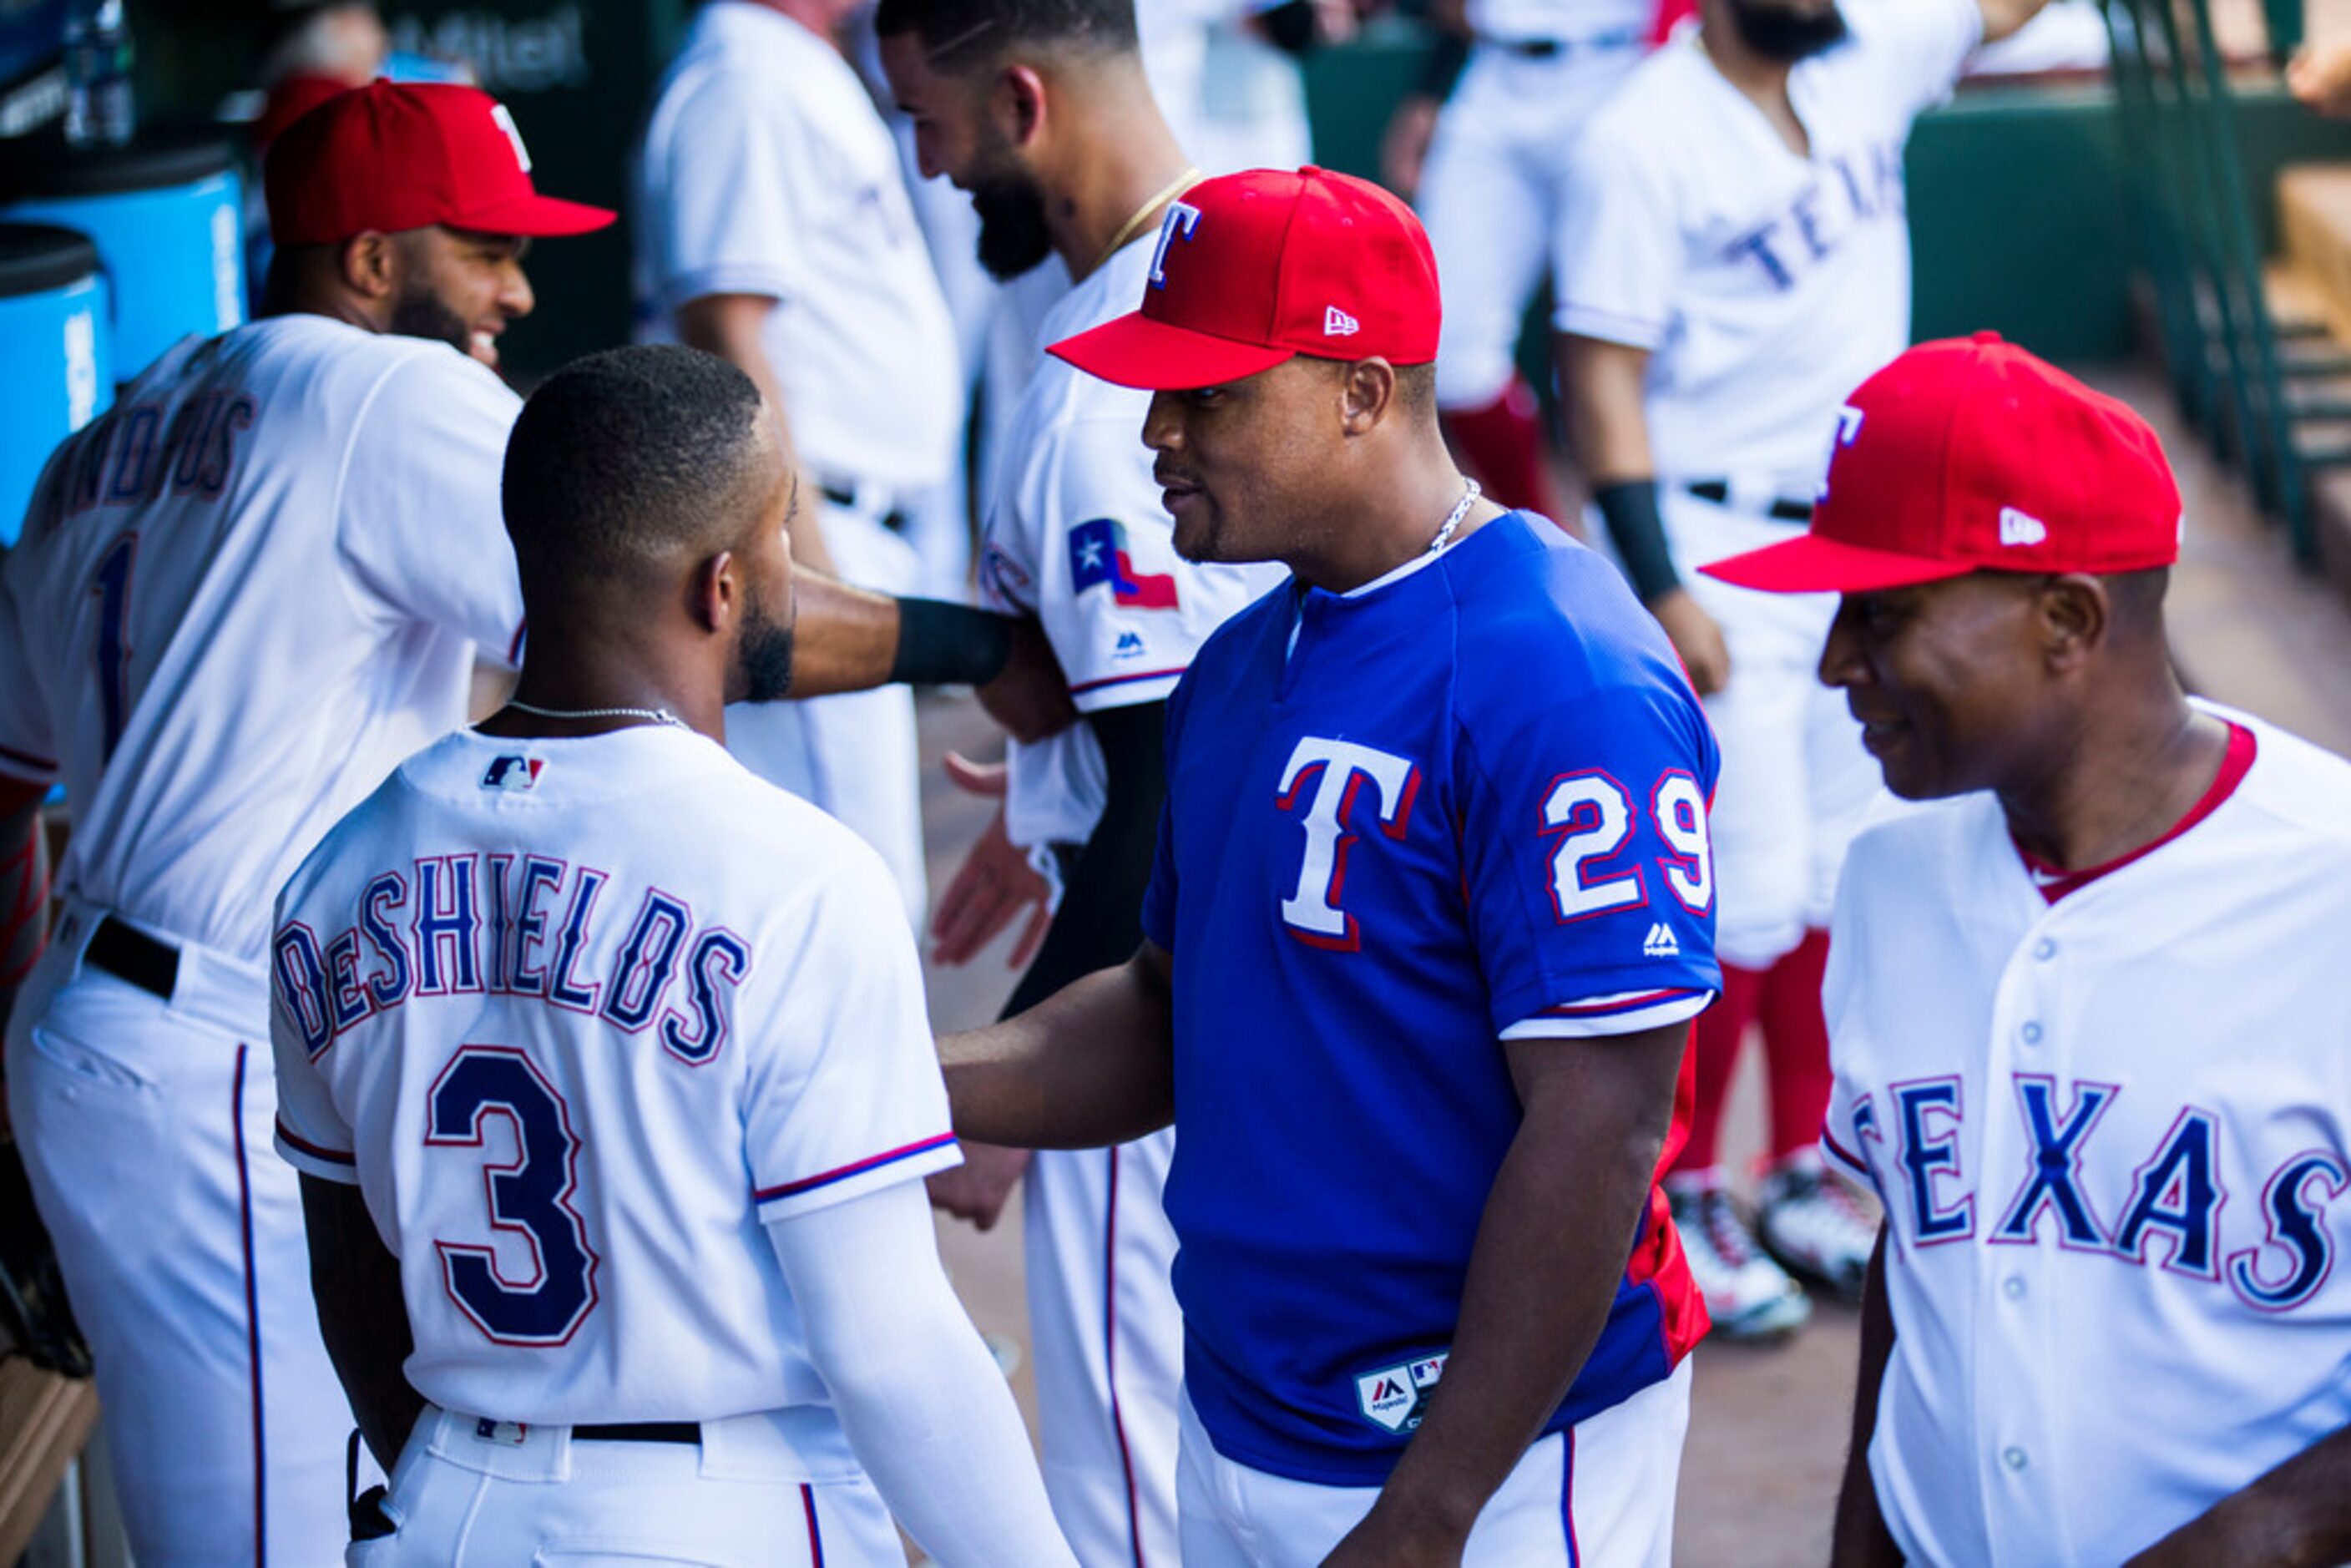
1767 1431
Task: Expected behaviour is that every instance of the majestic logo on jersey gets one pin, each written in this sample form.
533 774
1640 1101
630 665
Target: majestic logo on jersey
514 774
1337 323
1393 1397
1181 220
1129 646
2167 1213
1098 555
1661 942
2021 528
1339 768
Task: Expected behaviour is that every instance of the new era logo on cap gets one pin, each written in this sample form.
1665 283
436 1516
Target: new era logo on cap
1337 323
2020 528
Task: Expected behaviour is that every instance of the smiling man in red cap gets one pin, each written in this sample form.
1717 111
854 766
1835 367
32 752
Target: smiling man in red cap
1431 910
241 597
2087 1012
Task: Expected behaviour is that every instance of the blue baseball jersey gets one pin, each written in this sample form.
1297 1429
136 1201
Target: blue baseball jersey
1464 804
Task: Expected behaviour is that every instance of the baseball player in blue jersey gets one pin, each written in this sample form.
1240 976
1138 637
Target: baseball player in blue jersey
1432 907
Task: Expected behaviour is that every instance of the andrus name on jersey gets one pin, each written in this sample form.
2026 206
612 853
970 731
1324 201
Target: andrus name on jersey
133 455
1851 190
2175 1194
513 925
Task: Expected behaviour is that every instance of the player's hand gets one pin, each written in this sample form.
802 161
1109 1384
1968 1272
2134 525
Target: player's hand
1029 696
1404 150
995 886
976 1190
2321 78
1696 638
1387 1543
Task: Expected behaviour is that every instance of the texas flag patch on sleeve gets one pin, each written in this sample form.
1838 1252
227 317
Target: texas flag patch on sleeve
1098 555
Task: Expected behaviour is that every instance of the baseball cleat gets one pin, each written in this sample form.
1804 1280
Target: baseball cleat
1749 1297
1817 1226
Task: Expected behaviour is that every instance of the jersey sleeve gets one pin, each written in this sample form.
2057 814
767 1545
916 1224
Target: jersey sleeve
1919 47
28 747
421 530
725 218
1585 857
1123 632
843 1092
312 1135
1849 1127
1617 253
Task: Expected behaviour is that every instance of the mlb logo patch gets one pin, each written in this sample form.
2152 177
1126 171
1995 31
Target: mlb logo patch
512 774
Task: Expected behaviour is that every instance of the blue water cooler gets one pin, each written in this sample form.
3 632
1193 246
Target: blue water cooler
168 219
56 341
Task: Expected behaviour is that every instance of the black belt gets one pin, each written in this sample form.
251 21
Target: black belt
1719 492
894 520
640 1432
133 958
1551 48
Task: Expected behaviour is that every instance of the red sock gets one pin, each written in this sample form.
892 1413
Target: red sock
1714 1044
1503 446
1796 1045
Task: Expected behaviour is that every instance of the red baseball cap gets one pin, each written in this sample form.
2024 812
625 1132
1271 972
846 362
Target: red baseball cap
403 155
1256 267
1970 455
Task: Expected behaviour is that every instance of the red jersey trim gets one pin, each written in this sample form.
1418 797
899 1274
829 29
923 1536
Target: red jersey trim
2055 881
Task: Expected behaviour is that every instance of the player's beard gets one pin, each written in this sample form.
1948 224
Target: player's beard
763 653
417 312
1777 32
1013 237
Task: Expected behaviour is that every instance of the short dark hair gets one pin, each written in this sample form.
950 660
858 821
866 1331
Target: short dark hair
960 35
627 459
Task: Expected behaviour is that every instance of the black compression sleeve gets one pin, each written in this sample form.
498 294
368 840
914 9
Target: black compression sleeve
1630 509
943 645
1100 922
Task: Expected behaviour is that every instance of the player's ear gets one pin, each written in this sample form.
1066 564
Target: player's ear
1367 394
369 262
2075 613
715 592
1019 103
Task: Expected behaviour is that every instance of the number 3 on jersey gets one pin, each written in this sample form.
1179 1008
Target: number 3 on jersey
530 1197
1595 817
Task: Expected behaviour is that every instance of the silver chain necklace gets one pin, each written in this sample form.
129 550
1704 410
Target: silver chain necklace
651 715
1453 519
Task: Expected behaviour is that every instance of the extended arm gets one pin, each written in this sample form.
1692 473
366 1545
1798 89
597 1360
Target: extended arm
848 639
1604 385
361 1314
1550 1251
730 326
1091 1066
2298 1514
918 1395
1862 1540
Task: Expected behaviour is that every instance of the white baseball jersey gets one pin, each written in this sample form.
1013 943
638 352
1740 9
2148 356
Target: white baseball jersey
1561 21
1079 539
242 596
2113 1135
766 170
576 1058
1766 285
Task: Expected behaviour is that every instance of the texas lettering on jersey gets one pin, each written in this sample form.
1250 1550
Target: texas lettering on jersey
1854 189
503 925
1911 1143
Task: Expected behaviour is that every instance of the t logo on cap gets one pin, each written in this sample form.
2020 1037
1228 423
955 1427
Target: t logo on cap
1180 217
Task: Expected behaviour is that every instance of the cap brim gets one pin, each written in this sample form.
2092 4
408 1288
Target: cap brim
1136 352
1815 565
539 217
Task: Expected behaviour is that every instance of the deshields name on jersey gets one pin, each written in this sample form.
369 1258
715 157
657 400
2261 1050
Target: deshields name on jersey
516 925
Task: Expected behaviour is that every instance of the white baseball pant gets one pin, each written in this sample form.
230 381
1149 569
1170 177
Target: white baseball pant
146 1130
1795 781
469 1493
1600 1495
1109 1348
1490 198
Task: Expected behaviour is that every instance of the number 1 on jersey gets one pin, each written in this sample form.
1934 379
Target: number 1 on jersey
111 584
